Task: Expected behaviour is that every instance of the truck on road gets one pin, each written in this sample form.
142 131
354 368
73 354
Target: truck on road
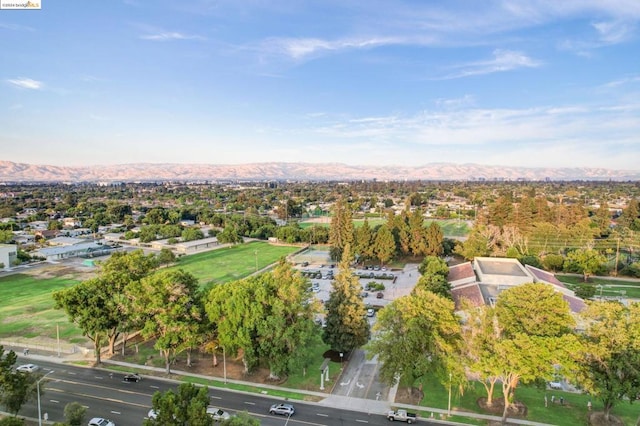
401 416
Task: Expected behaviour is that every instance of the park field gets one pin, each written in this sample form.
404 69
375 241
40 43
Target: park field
27 308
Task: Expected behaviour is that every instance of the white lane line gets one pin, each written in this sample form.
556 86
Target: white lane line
215 397
154 387
72 373
115 412
362 421
322 415
54 401
250 403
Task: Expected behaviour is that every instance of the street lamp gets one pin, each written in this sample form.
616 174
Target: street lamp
38 390
341 365
449 406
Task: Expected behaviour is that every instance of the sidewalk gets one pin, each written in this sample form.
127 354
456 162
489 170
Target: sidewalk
368 406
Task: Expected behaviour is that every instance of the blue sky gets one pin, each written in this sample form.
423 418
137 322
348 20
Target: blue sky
517 83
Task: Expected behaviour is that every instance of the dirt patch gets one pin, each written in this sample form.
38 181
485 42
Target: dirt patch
598 419
516 409
413 397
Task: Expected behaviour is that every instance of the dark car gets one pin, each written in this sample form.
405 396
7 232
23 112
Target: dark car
132 377
380 295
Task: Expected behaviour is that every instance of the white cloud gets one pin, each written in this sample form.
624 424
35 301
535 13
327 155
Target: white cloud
26 83
173 35
15 27
614 32
299 48
503 60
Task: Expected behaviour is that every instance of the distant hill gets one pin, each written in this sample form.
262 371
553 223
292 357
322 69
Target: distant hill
21 172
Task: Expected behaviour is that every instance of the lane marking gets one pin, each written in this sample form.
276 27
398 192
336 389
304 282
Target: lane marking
116 412
154 387
215 397
362 421
72 373
250 403
54 401
85 395
322 415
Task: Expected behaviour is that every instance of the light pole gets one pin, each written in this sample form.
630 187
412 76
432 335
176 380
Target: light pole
449 406
224 364
58 337
341 365
38 390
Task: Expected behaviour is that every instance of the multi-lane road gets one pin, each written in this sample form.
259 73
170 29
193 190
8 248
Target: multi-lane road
127 404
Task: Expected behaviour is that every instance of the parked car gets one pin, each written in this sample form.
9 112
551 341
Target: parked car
217 414
99 421
132 377
364 294
380 295
282 409
28 368
371 312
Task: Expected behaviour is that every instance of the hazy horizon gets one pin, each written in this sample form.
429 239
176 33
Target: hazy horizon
497 83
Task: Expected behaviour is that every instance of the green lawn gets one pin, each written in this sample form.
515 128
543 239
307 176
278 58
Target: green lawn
611 288
573 412
232 263
26 307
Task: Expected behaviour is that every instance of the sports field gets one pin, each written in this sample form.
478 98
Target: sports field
26 305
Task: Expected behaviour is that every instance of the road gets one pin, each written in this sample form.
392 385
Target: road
127 404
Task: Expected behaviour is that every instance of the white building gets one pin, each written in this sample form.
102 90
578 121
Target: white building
8 255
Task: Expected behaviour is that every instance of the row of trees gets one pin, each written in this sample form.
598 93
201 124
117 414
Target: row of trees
404 234
528 337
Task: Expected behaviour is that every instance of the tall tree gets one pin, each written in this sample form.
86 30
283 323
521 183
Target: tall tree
170 303
384 245
587 261
434 238
610 360
347 327
341 230
418 241
364 241
416 335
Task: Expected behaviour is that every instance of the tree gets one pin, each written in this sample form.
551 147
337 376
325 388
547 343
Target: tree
241 419
166 256
187 405
11 421
191 234
87 306
416 335
476 245
585 291
534 333
434 283
347 327
418 243
364 241
169 302
587 261
17 389
341 230
286 327
384 245
229 235
434 240
74 413
266 317
610 359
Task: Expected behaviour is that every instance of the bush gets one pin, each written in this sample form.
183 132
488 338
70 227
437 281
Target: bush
374 286
553 262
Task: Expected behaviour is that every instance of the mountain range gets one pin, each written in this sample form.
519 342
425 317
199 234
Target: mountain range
137 172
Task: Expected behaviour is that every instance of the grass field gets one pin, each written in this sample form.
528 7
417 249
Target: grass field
26 307
573 412
610 287
232 263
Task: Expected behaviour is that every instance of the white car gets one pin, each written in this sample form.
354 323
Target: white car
371 312
28 368
282 409
217 414
99 421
